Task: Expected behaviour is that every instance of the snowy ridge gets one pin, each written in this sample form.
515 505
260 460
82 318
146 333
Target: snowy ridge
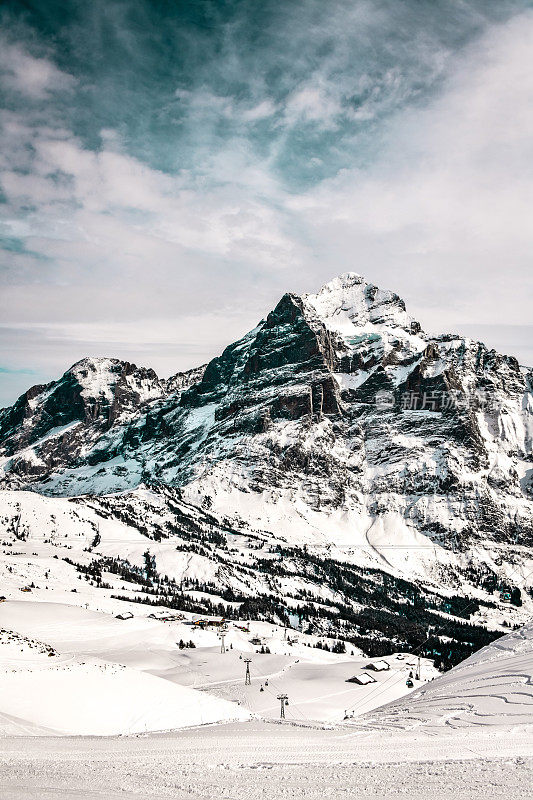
348 303
279 445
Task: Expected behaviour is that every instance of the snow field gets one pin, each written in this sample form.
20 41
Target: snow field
257 760
101 699
110 657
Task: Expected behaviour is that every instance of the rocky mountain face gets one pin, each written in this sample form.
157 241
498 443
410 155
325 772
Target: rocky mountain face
336 427
51 428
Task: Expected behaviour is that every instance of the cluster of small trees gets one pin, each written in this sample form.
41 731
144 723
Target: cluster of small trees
375 611
336 647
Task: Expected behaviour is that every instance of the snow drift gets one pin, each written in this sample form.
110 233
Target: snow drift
102 699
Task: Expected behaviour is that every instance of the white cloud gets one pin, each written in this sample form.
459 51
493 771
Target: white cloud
37 78
115 206
312 103
122 258
265 108
445 213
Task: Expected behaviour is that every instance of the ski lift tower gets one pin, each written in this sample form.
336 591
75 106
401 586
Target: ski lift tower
247 680
222 636
283 698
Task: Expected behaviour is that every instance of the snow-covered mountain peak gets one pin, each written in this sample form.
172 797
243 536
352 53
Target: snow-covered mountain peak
96 376
350 450
349 302
99 377
94 391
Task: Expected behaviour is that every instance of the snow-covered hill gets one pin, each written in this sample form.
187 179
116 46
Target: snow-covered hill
96 698
493 688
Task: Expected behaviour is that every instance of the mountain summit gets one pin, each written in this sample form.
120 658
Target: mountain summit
335 420
349 302
335 457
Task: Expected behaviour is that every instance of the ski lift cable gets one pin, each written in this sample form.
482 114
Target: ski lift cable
269 690
169 541
374 693
279 690
415 652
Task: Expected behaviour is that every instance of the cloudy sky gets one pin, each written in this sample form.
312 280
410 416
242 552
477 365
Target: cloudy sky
169 169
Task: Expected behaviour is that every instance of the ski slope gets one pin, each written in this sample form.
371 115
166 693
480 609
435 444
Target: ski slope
66 669
491 689
255 759
58 686
99 699
53 680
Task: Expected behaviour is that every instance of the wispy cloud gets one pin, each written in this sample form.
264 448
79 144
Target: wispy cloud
165 178
10 371
450 194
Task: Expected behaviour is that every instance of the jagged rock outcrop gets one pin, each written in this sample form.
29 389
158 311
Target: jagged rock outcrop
337 421
81 418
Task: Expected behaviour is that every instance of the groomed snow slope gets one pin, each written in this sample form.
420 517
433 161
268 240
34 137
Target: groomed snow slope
492 689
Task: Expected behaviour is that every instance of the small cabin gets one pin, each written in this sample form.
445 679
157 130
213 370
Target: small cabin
362 679
505 597
378 666
125 615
